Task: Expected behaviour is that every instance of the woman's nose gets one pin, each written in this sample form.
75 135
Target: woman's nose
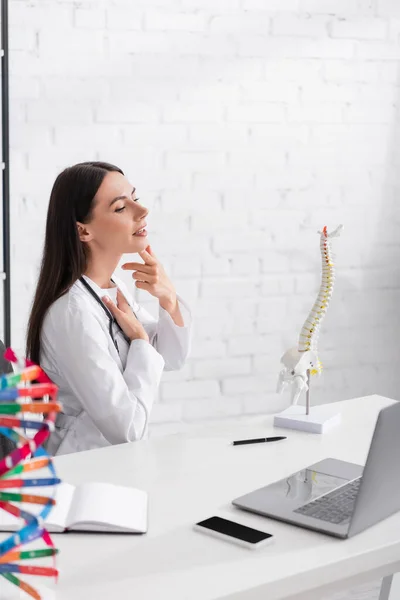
140 212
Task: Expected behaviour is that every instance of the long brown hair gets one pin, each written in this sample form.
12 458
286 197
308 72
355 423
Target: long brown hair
64 258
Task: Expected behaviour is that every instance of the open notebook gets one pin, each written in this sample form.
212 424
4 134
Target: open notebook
90 507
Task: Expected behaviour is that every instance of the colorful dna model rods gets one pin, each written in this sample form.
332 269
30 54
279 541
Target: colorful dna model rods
19 396
303 360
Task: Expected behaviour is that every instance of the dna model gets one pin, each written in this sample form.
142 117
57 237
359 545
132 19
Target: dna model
19 395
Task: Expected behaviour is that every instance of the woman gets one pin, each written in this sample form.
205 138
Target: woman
103 350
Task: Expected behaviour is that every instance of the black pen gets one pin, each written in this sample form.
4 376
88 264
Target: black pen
259 440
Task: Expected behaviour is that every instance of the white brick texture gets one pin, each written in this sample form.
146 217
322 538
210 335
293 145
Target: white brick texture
246 126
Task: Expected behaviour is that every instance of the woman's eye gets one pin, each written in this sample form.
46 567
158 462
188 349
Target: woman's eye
136 199
120 209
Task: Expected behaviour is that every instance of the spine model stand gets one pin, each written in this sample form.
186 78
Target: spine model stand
301 362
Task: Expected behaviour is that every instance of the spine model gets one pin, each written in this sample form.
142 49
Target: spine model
301 361
308 339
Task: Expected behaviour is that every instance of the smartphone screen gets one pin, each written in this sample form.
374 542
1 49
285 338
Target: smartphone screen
235 530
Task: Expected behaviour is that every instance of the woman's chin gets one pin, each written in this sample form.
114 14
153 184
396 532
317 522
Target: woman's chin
139 243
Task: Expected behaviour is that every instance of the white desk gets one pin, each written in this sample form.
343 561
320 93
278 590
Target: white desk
195 475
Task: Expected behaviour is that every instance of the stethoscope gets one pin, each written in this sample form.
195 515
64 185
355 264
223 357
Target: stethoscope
111 318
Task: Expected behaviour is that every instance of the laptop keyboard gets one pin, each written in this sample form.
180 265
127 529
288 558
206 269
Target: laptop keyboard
336 506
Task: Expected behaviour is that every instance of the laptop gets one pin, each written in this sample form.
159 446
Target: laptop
336 497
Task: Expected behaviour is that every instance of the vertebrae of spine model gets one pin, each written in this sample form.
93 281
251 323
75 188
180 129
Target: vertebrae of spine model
308 339
302 360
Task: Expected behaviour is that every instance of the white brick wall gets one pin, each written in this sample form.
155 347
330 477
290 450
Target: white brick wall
245 125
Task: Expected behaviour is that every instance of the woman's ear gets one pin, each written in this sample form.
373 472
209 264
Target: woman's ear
84 234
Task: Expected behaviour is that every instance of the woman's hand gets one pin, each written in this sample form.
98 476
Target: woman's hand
125 318
151 277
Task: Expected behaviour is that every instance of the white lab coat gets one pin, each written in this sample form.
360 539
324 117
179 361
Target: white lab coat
106 396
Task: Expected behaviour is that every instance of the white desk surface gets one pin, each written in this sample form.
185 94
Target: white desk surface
195 475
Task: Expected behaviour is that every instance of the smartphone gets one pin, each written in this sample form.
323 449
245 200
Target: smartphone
234 532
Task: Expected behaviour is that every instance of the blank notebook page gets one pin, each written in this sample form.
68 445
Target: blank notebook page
114 505
59 512
62 493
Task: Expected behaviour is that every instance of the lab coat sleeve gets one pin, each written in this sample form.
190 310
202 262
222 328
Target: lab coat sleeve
118 403
170 340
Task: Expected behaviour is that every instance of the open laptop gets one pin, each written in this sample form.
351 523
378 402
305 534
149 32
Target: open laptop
336 497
